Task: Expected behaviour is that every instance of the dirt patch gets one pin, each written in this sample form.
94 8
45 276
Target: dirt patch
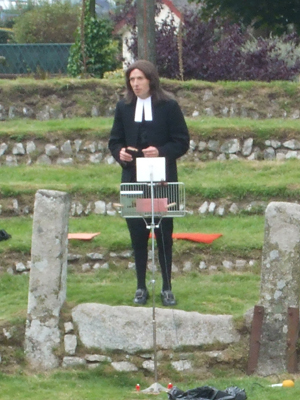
11 346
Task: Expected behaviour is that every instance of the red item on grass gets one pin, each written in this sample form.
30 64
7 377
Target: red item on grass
82 236
206 238
198 237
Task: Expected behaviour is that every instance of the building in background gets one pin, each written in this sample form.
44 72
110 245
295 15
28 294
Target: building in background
170 9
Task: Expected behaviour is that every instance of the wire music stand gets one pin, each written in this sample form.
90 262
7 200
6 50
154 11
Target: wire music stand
152 200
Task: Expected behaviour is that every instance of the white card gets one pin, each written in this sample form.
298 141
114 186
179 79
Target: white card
150 169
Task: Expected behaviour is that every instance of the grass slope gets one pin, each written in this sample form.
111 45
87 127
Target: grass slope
200 127
222 292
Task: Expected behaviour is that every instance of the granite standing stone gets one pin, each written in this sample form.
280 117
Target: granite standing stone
280 279
48 276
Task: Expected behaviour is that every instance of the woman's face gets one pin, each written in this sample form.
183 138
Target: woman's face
139 84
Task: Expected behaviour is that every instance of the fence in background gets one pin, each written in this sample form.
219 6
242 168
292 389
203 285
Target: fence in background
20 59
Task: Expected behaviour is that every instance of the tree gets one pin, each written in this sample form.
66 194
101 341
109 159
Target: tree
274 15
47 23
94 51
145 21
139 16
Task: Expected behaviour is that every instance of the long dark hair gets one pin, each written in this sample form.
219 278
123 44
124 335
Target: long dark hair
150 72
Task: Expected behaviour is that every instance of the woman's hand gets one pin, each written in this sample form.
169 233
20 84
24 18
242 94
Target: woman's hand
150 151
124 156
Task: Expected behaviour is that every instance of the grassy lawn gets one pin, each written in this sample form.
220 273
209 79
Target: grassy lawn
22 129
239 233
102 384
204 127
117 285
219 293
222 292
262 180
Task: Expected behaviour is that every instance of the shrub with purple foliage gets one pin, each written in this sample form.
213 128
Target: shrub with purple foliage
218 50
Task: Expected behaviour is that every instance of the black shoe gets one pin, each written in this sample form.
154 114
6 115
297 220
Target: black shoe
141 296
167 298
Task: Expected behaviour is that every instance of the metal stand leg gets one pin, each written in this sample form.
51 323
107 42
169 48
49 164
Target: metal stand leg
155 388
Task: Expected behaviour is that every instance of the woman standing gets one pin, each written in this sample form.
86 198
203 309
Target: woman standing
151 123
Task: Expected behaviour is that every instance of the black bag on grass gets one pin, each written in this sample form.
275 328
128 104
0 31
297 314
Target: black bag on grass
207 393
4 235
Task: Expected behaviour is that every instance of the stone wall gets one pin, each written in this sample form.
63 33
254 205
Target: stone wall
68 98
82 151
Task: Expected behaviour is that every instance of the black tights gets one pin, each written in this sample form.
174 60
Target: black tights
139 234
